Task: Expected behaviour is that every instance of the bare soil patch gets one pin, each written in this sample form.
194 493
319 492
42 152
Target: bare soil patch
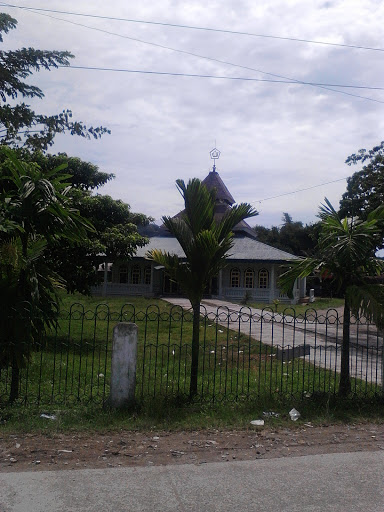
37 452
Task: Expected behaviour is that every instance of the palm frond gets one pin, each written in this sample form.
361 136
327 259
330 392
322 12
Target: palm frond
367 300
298 268
232 217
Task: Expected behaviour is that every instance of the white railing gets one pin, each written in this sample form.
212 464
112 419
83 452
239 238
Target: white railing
240 293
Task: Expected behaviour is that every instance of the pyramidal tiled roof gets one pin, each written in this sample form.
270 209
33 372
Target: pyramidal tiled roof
213 181
224 201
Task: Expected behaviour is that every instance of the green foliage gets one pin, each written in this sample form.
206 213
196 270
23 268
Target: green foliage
346 254
115 236
83 175
292 237
35 211
19 124
365 188
205 243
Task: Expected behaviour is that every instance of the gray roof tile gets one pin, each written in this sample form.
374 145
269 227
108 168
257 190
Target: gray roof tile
244 248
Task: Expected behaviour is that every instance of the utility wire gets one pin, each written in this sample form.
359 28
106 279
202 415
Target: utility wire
300 190
194 27
212 59
247 79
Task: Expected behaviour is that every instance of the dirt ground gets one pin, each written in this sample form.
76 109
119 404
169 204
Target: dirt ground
36 452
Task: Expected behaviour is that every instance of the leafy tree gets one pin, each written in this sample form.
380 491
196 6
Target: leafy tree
83 175
115 236
34 212
346 252
205 243
19 124
115 224
365 188
292 236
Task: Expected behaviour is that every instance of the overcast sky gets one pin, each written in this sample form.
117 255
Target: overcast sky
274 138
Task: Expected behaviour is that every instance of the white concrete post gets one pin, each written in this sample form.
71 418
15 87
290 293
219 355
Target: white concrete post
272 285
123 369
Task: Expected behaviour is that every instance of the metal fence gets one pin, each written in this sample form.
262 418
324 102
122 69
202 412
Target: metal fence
242 355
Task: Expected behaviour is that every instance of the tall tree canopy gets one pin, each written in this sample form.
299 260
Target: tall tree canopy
206 243
292 236
116 227
365 188
116 236
346 253
19 124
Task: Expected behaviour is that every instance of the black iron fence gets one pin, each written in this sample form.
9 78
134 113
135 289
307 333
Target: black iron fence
242 354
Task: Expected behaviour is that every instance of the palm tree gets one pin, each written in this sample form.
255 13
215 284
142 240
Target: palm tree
346 252
34 212
205 243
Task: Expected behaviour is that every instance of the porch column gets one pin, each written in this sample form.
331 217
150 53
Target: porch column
151 286
220 283
302 286
272 284
105 282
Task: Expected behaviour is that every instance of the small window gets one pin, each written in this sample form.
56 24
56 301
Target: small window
123 274
248 278
135 275
235 278
147 275
263 278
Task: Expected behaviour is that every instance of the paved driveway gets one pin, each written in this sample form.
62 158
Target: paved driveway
323 338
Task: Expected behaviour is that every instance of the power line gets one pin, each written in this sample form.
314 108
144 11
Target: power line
300 190
247 79
194 27
211 59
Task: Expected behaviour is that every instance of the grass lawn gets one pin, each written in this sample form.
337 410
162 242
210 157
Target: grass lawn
70 374
175 415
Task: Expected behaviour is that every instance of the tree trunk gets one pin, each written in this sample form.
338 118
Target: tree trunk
14 393
195 350
345 380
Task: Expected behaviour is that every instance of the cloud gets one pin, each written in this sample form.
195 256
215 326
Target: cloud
273 137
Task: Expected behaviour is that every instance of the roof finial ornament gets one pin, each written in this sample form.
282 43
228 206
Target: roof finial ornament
215 155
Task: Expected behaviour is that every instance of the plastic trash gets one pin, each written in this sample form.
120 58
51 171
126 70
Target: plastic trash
48 416
294 414
257 423
270 414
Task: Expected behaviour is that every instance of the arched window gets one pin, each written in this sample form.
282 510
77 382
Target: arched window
135 274
147 275
235 278
123 274
263 278
249 278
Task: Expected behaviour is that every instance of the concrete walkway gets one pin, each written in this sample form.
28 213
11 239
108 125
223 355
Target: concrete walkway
324 338
349 482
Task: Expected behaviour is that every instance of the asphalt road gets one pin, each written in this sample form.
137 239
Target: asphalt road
350 482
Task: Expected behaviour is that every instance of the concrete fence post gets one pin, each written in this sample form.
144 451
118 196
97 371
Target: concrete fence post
123 367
